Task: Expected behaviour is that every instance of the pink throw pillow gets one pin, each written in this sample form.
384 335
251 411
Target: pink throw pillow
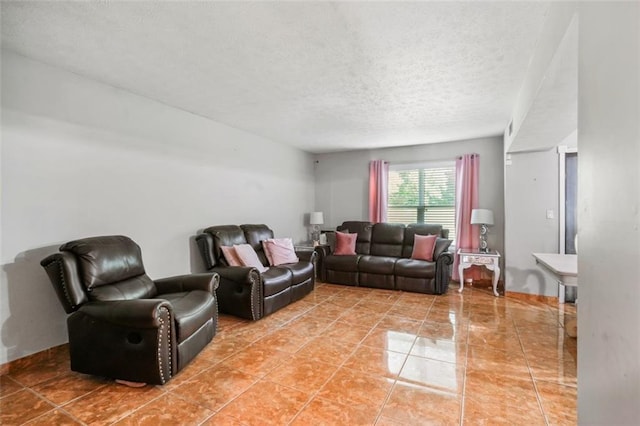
230 256
423 247
345 244
280 251
249 257
267 252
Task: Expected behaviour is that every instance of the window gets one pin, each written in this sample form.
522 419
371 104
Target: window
423 193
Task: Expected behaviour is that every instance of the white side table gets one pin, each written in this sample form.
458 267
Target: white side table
563 267
489 259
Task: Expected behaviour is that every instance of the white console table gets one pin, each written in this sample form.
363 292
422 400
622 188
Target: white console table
563 267
490 259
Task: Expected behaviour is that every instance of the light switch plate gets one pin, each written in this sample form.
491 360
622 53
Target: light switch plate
549 214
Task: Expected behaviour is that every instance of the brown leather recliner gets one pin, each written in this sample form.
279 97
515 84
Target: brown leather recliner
244 292
123 325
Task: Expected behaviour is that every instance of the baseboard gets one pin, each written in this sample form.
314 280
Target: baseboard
549 300
37 357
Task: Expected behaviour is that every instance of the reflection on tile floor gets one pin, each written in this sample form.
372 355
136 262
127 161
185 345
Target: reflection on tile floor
342 355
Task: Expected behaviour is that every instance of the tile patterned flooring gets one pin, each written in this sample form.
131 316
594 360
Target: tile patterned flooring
340 356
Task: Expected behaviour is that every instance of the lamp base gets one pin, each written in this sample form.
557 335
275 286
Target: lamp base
315 233
484 248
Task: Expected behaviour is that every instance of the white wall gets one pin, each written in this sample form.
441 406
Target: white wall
342 179
555 27
544 116
80 158
608 214
531 188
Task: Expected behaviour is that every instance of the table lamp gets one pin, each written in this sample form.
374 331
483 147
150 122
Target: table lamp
482 217
315 220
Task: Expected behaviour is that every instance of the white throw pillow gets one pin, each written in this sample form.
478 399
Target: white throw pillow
280 251
249 257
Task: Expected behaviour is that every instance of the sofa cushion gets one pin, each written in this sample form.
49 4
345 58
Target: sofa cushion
140 287
275 280
377 264
224 235
423 247
255 235
345 244
342 263
227 235
191 310
301 271
415 268
387 239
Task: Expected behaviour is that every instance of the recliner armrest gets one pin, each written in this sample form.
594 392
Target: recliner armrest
239 274
307 255
240 292
322 252
208 282
443 272
445 258
136 313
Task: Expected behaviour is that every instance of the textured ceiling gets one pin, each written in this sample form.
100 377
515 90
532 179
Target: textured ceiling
317 75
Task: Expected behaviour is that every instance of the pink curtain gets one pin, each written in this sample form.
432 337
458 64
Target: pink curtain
467 180
378 189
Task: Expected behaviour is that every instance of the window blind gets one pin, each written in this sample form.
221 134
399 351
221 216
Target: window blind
423 195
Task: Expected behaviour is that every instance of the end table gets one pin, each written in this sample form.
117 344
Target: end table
490 259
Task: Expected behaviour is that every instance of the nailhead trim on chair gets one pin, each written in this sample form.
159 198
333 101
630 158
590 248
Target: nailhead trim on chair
161 333
62 281
255 276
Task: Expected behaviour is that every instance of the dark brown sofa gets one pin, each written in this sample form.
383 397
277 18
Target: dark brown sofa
123 325
245 292
383 259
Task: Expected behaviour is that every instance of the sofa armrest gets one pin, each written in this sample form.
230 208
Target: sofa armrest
445 258
307 255
136 313
240 292
239 274
443 272
207 282
205 246
322 251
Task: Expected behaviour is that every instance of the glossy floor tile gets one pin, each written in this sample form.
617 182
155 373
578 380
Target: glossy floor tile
340 356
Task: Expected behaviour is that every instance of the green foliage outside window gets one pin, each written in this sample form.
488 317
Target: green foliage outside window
438 187
425 195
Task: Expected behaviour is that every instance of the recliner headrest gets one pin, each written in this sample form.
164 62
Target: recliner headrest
106 260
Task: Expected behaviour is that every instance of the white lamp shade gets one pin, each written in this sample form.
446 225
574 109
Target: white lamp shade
316 218
481 217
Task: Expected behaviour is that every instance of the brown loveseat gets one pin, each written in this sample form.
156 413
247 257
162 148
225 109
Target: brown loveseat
383 259
123 325
245 292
